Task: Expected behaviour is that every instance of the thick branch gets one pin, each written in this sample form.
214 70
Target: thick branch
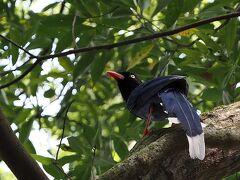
164 155
15 156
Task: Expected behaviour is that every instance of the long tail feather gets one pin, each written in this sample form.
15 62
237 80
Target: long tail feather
196 146
178 106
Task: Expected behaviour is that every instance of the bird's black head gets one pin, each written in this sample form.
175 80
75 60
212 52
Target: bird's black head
127 82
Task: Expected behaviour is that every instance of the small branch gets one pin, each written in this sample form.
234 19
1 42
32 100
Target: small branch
22 75
63 128
60 143
73 31
92 163
18 46
62 7
4 73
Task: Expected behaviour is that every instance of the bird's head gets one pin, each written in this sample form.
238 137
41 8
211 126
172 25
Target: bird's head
127 82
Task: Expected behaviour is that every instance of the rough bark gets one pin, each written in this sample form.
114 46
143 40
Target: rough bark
164 154
15 156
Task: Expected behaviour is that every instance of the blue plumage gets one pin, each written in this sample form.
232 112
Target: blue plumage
166 96
178 106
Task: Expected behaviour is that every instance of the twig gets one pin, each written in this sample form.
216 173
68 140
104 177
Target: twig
22 75
92 163
4 73
60 169
60 143
62 7
73 31
18 46
63 128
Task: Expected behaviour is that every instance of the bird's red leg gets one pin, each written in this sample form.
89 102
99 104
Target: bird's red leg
146 130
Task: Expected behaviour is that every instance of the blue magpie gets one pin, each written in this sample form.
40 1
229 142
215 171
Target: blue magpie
163 98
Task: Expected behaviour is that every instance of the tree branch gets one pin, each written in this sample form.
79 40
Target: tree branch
144 38
164 155
15 156
114 45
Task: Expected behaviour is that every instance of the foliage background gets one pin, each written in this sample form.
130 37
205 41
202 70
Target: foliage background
98 129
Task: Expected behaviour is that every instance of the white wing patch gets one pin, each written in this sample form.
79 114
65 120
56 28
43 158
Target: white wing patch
174 120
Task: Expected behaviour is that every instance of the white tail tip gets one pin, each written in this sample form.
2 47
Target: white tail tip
197 146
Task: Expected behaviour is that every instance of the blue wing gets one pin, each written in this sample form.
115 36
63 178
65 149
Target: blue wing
177 105
146 95
141 95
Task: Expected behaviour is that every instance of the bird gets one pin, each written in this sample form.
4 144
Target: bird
163 98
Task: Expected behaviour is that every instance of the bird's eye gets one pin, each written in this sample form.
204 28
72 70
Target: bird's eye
132 76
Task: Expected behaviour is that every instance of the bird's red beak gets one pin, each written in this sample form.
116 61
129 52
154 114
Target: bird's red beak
115 75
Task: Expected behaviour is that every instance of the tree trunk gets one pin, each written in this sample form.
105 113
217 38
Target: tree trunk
15 156
164 154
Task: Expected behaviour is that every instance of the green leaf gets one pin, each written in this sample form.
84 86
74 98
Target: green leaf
49 93
121 12
144 4
66 63
80 144
83 64
215 8
117 22
22 115
140 55
161 66
202 47
54 171
230 34
35 75
64 41
50 6
39 42
212 94
128 3
161 4
189 5
120 147
43 160
3 97
68 159
29 146
14 54
91 6
25 130
208 41
98 65
173 11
